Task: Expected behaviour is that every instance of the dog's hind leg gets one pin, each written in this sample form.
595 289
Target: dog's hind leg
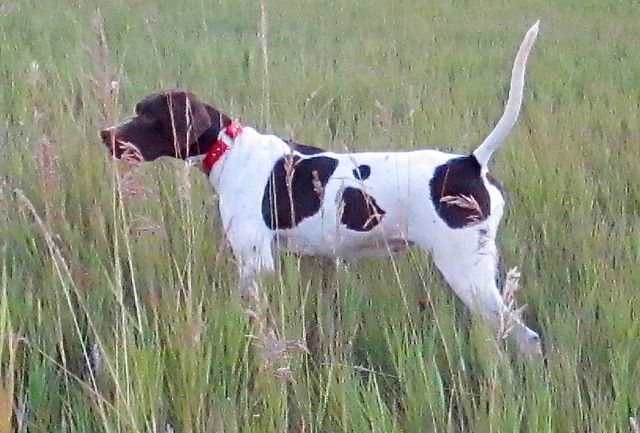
320 276
468 260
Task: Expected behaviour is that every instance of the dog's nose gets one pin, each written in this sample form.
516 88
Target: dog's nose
110 140
108 135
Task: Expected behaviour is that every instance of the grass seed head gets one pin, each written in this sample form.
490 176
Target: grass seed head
512 314
465 202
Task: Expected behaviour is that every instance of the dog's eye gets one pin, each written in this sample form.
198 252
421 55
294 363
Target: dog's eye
145 118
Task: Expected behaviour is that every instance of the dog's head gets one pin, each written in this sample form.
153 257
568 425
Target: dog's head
168 123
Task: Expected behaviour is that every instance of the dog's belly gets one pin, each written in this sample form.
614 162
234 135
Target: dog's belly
341 243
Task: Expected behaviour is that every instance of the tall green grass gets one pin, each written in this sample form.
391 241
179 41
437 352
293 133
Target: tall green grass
126 270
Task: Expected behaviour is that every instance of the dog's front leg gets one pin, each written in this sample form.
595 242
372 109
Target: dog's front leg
252 249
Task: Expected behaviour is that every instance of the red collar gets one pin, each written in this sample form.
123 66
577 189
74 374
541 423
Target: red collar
219 147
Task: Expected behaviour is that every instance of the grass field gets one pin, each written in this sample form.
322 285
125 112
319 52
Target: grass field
124 269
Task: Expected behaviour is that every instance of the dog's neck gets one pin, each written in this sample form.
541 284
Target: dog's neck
208 139
220 146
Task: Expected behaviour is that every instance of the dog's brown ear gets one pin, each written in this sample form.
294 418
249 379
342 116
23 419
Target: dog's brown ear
200 120
190 118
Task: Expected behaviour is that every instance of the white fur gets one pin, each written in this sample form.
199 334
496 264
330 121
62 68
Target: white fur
400 184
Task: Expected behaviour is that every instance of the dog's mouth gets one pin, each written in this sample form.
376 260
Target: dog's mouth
129 153
122 150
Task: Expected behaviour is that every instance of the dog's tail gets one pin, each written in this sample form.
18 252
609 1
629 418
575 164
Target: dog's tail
512 108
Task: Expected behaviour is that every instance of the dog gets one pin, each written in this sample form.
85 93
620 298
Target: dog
281 195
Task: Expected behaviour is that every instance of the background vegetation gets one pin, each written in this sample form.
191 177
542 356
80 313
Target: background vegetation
116 304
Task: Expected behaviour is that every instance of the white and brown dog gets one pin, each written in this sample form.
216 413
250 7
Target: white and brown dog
279 194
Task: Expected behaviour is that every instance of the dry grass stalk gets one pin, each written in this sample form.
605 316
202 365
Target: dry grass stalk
4 206
49 237
317 185
7 388
45 157
375 217
512 314
275 352
33 76
50 177
383 115
131 184
104 82
142 224
96 358
21 412
131 154
185 186
339 210
290 169
311 96
465 202
265 66
635 427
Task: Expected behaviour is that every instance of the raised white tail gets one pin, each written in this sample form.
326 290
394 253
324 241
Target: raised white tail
512 108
